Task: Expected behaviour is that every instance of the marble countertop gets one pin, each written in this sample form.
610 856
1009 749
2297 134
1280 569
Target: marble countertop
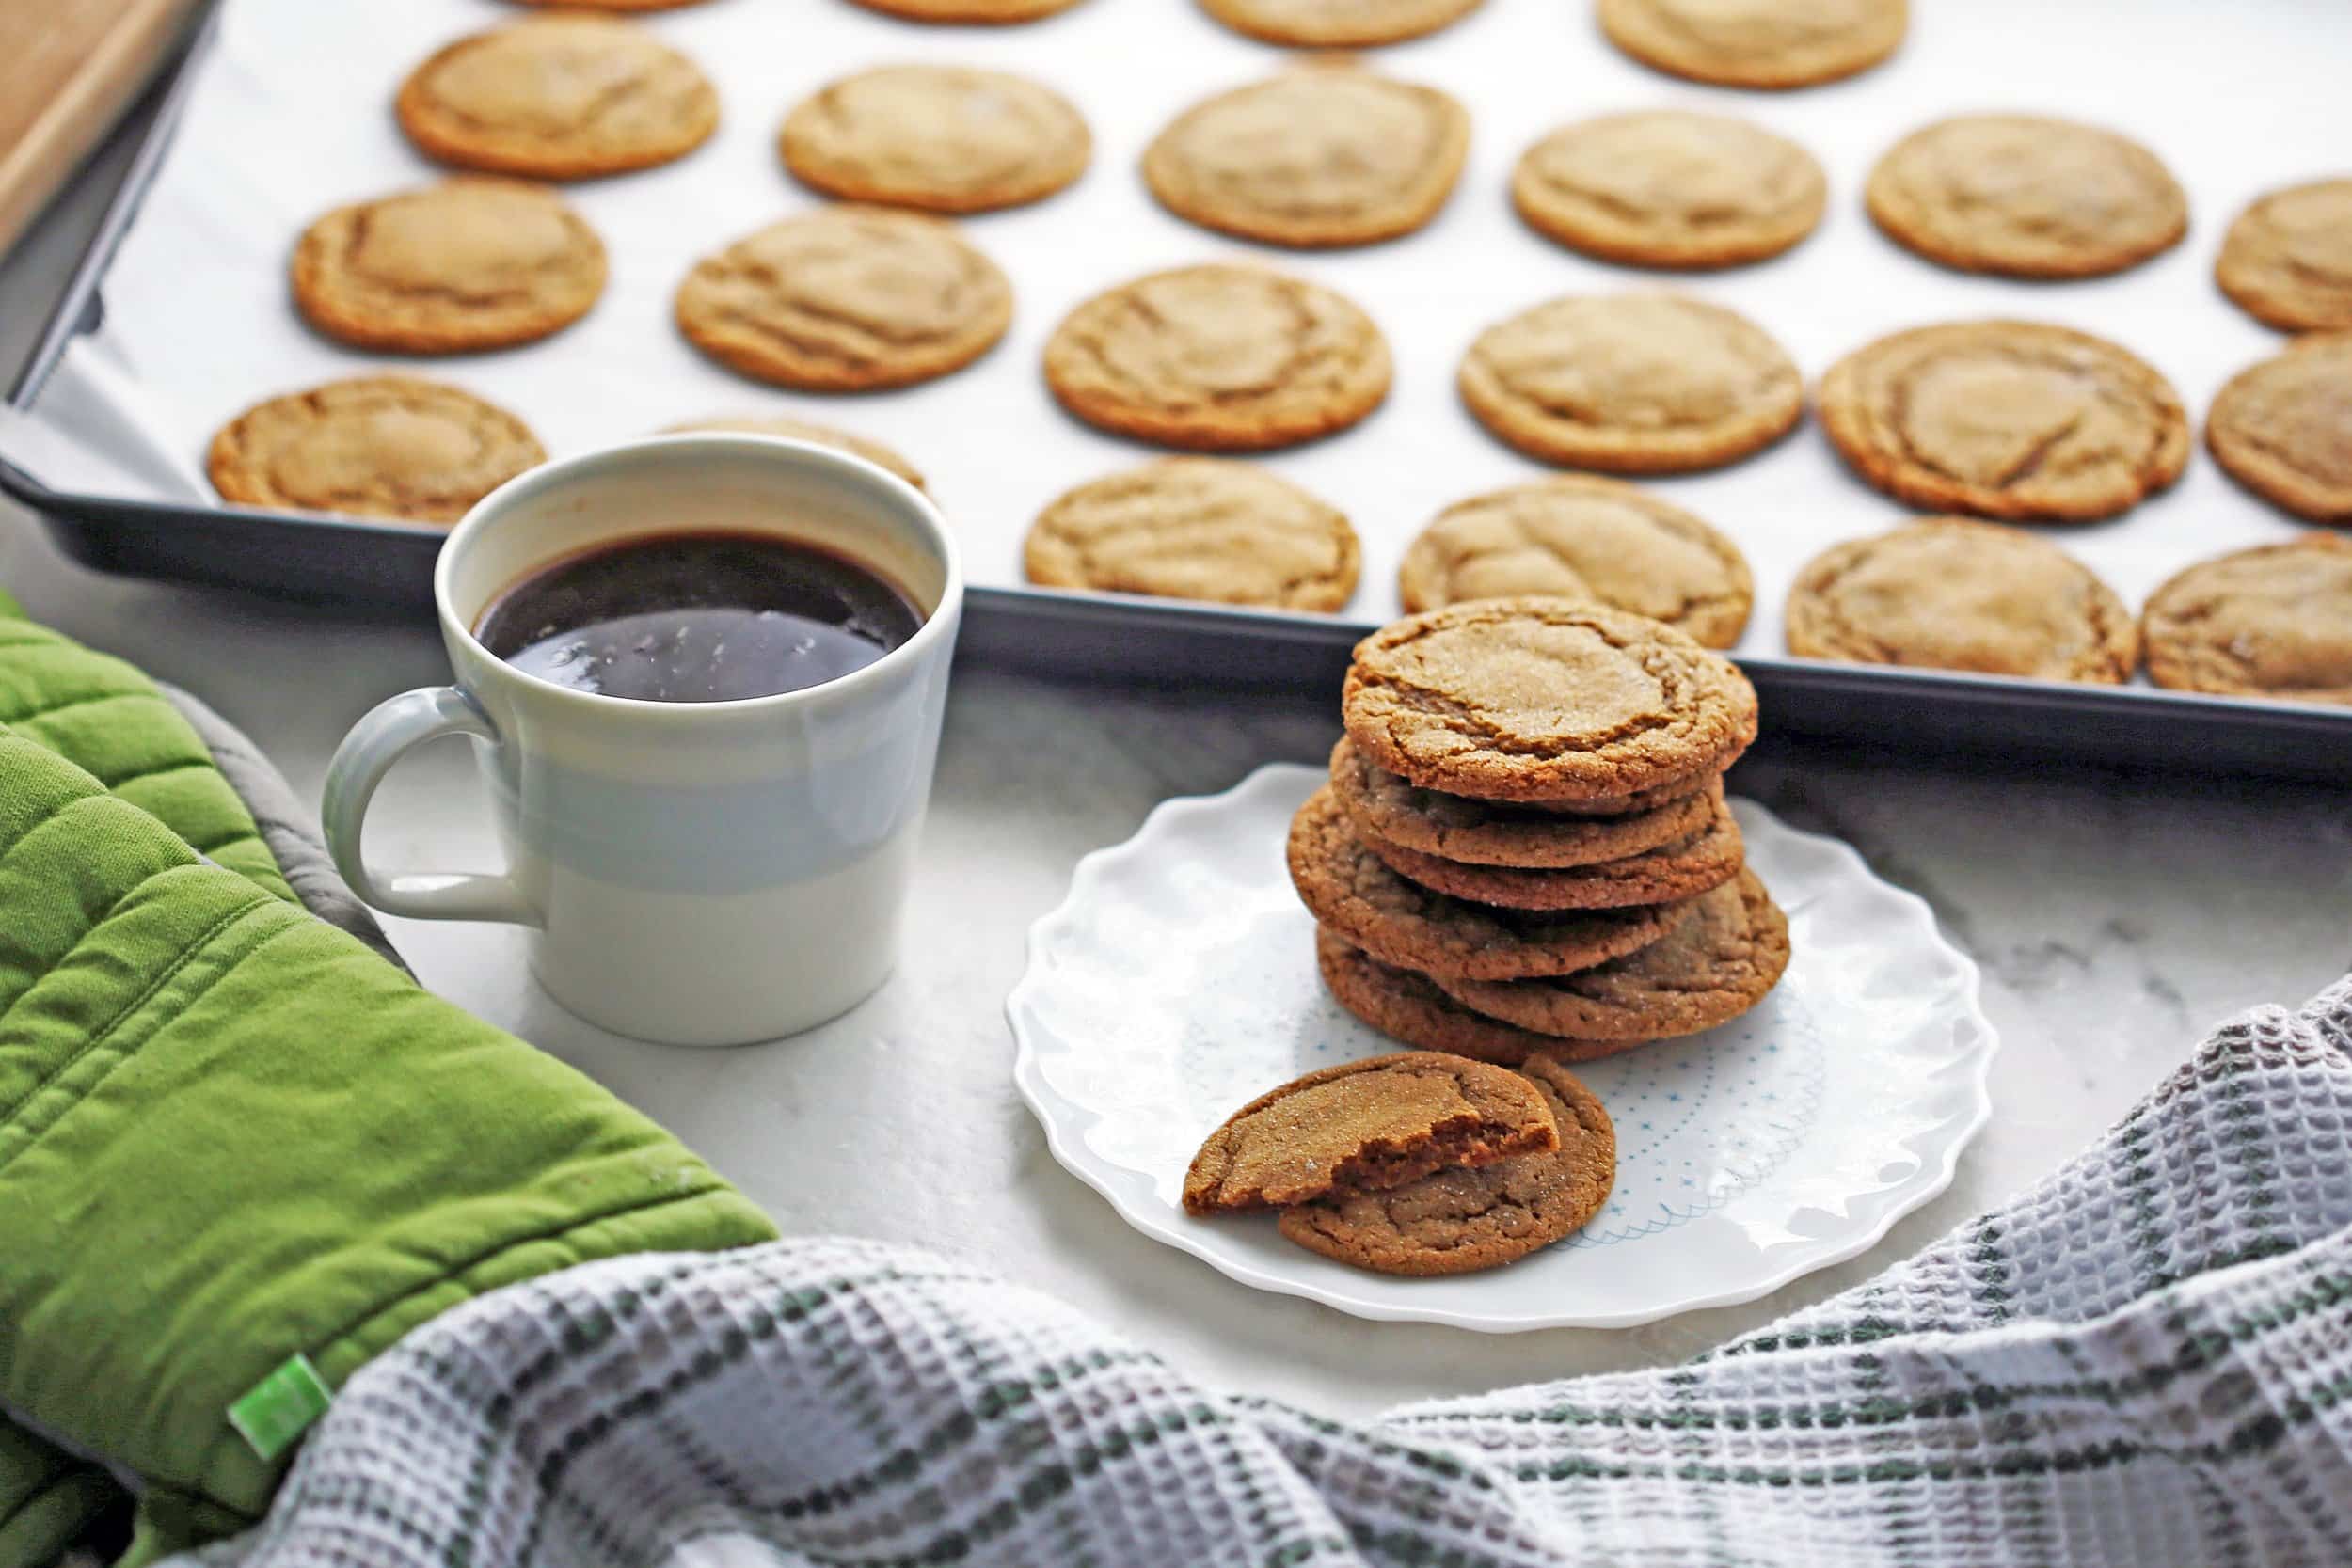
2115 915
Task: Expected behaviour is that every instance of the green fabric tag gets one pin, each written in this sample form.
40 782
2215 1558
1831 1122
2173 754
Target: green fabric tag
275 1411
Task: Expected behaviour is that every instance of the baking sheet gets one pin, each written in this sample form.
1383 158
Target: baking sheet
291 117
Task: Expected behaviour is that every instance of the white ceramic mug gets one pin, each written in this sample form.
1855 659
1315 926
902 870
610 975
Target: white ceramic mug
697 873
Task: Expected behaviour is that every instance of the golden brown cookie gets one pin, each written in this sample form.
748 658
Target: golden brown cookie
1636 382
847 299
2283 428
1407 1006
2288 260
1584 538
1723 959
2009 419
984 13
1337 23
1461 1221
2026 195
1369 1125
1221 359
614 5
1322 155
1489 833
1545 700
2275 621
1669 874
1670 188
1197 528
1951 594
1350 891
453 268
1757 43
824 435
383 446
559 98
945 138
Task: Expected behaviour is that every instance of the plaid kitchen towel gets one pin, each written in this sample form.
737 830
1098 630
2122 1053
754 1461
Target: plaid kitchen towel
2144 1361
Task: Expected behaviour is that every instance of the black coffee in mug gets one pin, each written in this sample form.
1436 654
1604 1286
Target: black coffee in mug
698 618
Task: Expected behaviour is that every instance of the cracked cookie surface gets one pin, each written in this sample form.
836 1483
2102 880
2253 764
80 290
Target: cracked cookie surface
1671 873
847 299
2275 621
883 457
1489 833
1197 528
1952 594
1634 383
562 97
1545 700
1350 891
469 265
2026 195
1372 1124
1725 956
1337 23
1218 358
2010 420
943 138
1584 538
2287 259
1757 43
1670 188
2283 428
383 446
1321 155
1460 1221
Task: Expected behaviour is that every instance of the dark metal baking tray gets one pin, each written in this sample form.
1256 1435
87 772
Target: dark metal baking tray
388 567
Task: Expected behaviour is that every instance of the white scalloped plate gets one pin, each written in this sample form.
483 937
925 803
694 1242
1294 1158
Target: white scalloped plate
1178 981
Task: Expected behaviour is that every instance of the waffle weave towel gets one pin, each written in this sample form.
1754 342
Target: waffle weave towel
2144 1361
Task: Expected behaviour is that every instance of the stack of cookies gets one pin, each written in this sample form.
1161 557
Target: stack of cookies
1525 846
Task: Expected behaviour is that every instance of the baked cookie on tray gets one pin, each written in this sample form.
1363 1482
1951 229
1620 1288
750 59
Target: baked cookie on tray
2287 259
847 299
1337 23
1462 1220
2283 428
1218 358
1757 43
2012 420
1370 1125
1953 594
1671 873
984 13
383 446
1721 960
1670 188
2275 621
801 430
1581 537
1545 700
1321 155
1649 383
1486 833
2026 195
943 138
469 265
561 96
1353 893
1197 528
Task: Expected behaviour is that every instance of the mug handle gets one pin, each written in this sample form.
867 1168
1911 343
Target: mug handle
386 734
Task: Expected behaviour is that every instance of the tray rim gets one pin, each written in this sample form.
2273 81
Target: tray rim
2152 718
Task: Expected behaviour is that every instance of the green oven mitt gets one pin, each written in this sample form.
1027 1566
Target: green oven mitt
240 1153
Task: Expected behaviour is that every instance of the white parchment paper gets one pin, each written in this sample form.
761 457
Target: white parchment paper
293 118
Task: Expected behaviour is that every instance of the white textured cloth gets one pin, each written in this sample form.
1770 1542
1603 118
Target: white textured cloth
2145 1361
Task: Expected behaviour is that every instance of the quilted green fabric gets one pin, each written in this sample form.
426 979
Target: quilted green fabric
230 1132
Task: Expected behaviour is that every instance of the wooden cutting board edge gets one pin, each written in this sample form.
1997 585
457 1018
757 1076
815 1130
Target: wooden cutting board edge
81 103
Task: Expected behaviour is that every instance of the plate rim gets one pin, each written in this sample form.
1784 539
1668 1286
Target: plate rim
1064 1140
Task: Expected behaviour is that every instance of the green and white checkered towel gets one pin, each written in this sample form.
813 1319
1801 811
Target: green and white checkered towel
2146 1360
